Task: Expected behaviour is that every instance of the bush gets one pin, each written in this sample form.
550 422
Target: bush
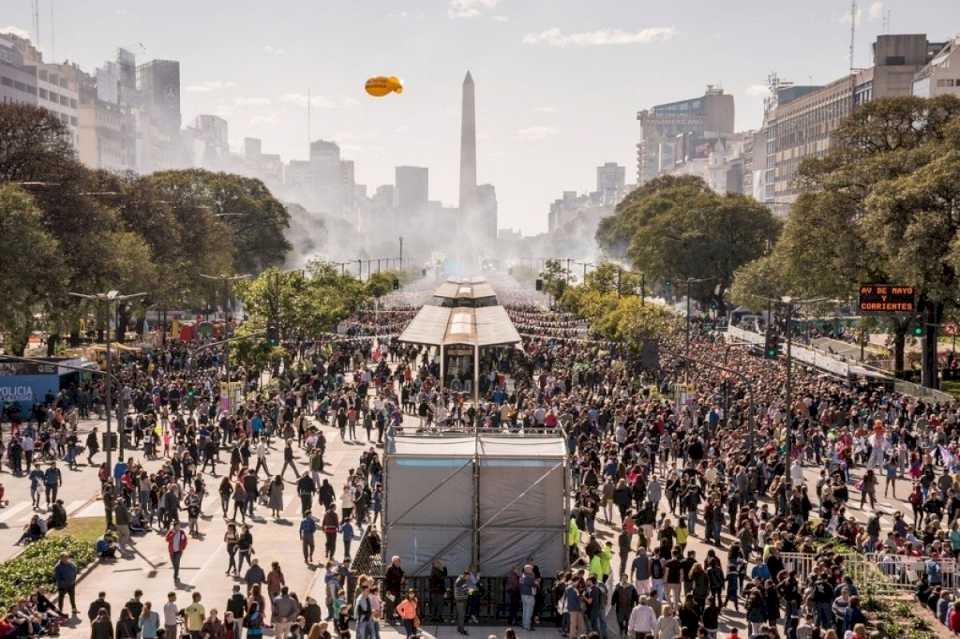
33 568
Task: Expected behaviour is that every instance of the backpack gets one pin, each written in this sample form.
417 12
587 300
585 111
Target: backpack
656 569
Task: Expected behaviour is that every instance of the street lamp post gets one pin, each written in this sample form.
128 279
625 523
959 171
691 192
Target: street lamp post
108 298
690 282
228 281
789 303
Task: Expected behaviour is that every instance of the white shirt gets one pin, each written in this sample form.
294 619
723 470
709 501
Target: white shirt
642 619
170 613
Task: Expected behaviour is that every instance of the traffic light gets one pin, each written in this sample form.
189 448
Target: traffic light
771 346
539 284
918 326
273 336
396 284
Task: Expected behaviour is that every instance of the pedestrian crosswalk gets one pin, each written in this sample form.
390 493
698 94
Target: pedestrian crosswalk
10 512
19 514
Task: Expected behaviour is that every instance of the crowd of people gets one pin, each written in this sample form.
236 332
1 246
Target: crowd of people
690 484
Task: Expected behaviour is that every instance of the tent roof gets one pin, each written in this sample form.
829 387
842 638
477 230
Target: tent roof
485 326
464 289
531 447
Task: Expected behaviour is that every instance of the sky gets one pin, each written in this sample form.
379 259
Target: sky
559 82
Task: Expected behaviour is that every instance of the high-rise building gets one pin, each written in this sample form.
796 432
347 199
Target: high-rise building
326 188
486 203
160 118
55 87
209 142
413 187
468 145
610 179
252 148
669 132
18 81
942 75
798 121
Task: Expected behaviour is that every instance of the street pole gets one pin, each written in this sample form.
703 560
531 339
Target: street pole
619 276
401 252
643 287
109 298
109 402
687 346
789 434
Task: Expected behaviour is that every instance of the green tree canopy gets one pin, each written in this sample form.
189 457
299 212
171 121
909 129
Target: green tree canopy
679 229
31 263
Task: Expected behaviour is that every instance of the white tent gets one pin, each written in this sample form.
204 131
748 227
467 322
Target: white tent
491 499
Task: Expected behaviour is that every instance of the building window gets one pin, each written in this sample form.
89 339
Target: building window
43 75
64 101
7 82
73 103
73 120
43 93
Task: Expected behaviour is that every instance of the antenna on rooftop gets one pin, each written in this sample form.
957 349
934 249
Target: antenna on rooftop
36 23
853 30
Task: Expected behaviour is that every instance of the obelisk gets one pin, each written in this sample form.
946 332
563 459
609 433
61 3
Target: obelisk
468 148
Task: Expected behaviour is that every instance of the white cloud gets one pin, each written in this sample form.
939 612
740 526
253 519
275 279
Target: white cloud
17 31
249 101
545 109
758 91
210 86
536 133
601 37
300 100
470 8
501 18
876 10
269 50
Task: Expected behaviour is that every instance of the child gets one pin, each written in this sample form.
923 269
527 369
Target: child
342 622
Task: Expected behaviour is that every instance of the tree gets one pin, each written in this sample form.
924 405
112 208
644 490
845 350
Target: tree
243 207
642 205
33 142
554 277
30 261
680 229
857 202
914 222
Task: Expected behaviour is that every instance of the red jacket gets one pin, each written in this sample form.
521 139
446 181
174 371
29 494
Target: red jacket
183 539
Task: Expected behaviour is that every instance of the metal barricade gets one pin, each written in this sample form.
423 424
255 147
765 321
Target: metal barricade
904 572
882 572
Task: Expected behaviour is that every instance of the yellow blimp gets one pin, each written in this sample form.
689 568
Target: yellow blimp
382 85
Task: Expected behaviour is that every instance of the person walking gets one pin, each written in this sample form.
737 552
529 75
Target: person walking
461 593
363 609
308 529
288 459
407 609
65 577
331 524
176 544
276 497
528 596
